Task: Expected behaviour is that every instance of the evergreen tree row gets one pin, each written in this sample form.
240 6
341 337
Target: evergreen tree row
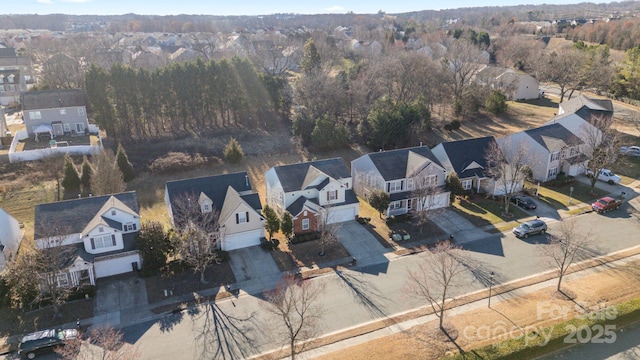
183 98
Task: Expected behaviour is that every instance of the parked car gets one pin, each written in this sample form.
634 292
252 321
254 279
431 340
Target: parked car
630 150
532 227
605 175
605 204
524 202
44 341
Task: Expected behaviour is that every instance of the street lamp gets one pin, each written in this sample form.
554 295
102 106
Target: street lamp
490 285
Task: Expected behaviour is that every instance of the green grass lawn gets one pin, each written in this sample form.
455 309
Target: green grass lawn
558 196
482 212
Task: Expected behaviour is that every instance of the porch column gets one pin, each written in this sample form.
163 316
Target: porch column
74 278
478 186
92 279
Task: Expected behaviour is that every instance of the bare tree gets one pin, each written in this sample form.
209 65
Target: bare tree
433 279
197 232
565 248
509 166
601 142
561 67
326 229
425 193
294 302
106 177
462 60
103 343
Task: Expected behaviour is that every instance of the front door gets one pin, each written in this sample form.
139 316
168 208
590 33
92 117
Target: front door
57 129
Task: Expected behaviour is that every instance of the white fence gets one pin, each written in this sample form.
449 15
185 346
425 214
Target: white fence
38 154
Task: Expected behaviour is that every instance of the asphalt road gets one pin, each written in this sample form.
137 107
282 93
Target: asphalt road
239 328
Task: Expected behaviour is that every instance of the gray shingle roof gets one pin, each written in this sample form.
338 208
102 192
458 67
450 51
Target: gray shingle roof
554 131
464 152
215 187
292 176
392 164
52 99
73 215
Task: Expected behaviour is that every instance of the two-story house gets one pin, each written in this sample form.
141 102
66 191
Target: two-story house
402 173
16 75
550 149
98 232
314 193
10 238
56 112
468 160
230 197
587 107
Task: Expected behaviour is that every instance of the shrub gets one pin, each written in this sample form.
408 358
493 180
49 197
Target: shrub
179 161
454 125
496 103
222 256
81 292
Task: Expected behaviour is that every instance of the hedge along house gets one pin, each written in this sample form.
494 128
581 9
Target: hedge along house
95 234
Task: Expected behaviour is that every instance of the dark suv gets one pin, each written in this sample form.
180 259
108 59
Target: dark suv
44 341
530 228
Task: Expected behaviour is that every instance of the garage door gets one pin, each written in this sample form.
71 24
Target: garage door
114 264
438 201
339 215
241 240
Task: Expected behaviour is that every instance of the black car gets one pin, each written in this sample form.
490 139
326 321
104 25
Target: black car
44 341
524 202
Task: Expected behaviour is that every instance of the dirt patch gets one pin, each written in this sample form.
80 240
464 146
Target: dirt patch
186 282
306 255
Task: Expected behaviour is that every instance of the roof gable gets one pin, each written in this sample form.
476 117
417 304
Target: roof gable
394 164
468 157
553 137
74 215
296 177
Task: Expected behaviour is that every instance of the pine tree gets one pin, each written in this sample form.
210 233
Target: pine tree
273 223
106 177
71 180
233 151
124 165
311 58
85 178
286 225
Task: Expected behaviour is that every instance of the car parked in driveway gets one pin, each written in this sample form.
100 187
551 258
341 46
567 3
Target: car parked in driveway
605 175
532 227
630 150
44 341
524 202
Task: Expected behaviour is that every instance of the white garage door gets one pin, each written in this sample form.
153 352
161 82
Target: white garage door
438 201
114 265
241 240
339 215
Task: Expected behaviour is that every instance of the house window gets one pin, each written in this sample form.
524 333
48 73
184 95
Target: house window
332 195
11 78
409 203
555 156
430 180
67 127
80 111
395 186
130 227
305 224
395 205
63 280
573 152
34 115
553 172
103 241
242 217
409 184
1 79
466 184
113 212
63 111
101 229
206 208
79 128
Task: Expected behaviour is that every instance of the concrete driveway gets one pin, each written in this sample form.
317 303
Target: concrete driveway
360 243
117 297
254 269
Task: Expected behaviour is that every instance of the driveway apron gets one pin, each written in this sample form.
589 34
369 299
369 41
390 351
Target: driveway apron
254 269
361 244
120 298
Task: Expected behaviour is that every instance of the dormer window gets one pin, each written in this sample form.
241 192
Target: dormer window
205 208
113 212
100 229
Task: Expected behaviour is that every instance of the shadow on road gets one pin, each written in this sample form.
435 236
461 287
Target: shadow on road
365 292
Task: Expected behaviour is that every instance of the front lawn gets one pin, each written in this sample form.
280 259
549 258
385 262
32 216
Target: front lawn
558 196
482 212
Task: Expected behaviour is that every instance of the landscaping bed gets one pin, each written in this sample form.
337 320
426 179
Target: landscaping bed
291 256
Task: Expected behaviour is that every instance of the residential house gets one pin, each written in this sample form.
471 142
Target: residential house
10 238
98 235
56 112
515 85
402 174
16 75
550 149
587 107
579 126
315 193
467 159
240 223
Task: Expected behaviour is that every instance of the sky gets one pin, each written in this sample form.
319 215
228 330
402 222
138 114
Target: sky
247 7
